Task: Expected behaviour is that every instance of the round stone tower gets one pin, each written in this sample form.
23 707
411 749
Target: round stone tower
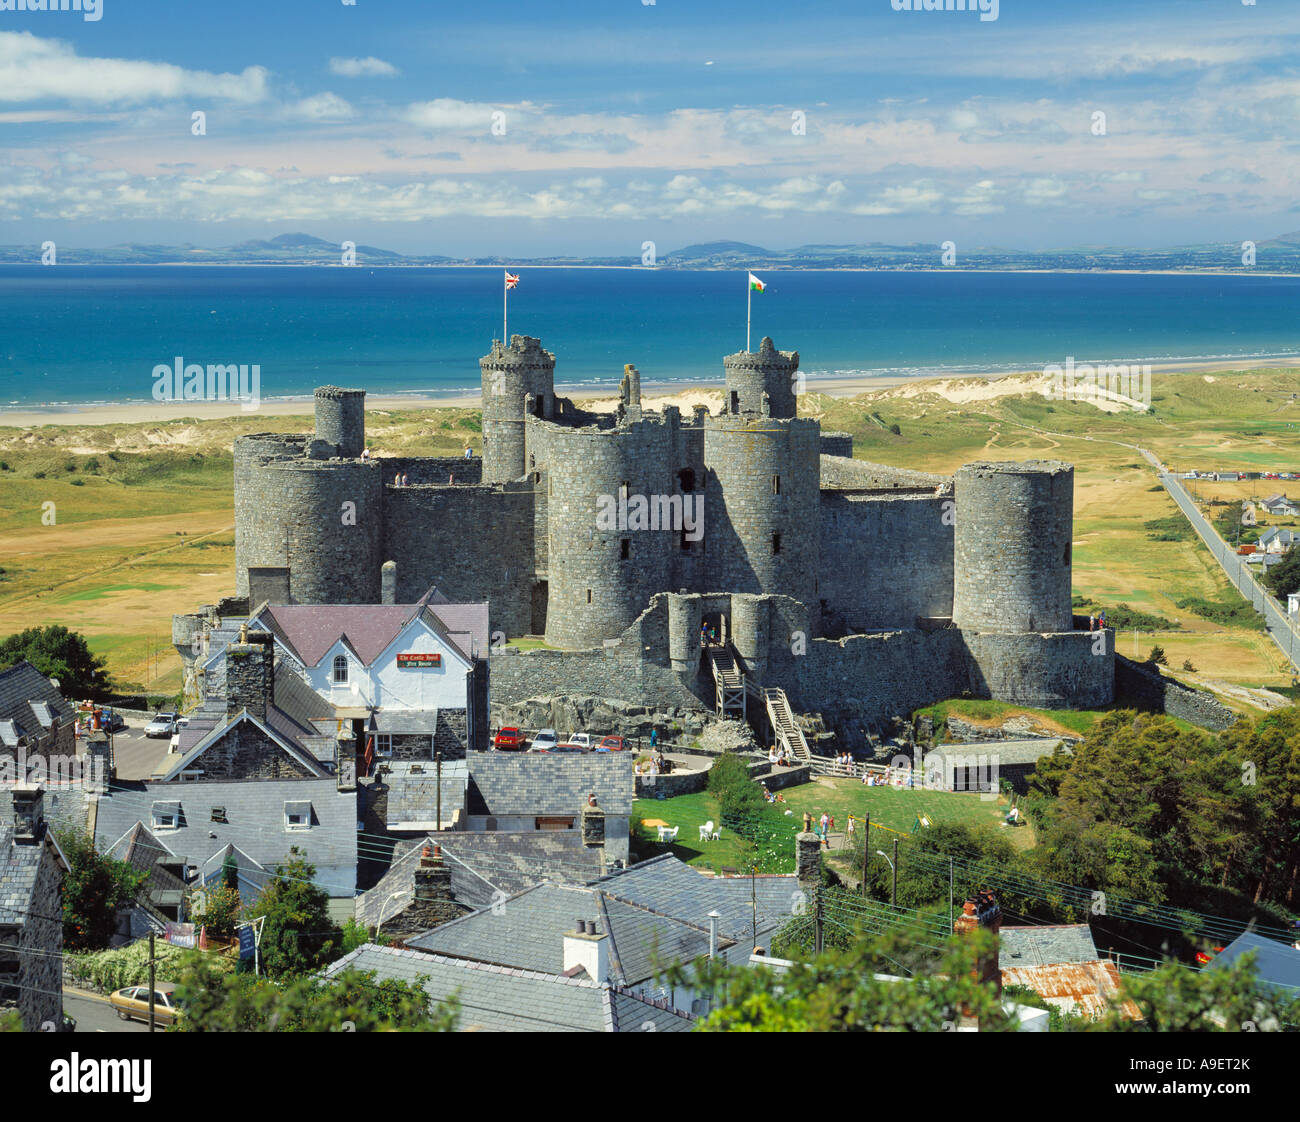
751 374
611 532
510 374
762 496
259 536
341 419
1014 524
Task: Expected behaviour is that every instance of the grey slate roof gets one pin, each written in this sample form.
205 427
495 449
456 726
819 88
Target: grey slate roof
502 999
140 849
413 793
1027 751
1277 965
285 733
1045 946
19 867
485 867
29 700
254 822
670 887
520 783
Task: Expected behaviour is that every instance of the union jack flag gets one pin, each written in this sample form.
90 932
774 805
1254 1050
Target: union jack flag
511 280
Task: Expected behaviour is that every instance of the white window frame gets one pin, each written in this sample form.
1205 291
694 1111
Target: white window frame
297 827
334 671
384 744
166 821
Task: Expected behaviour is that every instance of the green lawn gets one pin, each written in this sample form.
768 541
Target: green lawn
690 812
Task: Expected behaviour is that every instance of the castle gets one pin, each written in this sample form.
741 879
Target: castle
859 589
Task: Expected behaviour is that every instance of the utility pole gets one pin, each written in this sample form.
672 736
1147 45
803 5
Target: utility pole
152 971
893 891
817 920
950 916
866 848
437 759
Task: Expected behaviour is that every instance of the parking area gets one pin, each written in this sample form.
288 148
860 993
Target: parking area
137 757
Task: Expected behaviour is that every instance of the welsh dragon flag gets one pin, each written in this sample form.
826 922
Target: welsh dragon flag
755 285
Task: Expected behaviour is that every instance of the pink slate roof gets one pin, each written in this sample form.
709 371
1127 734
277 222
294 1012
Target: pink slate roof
312 629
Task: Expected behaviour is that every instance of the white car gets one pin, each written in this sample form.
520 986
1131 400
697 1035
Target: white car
162 724
544 741
583 739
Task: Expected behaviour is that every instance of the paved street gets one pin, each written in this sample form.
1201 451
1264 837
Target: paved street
94 1014
136 756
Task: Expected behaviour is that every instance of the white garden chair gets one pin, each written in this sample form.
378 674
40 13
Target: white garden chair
668 833
706 831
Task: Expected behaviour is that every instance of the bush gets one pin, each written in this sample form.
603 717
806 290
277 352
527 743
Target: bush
107 971
1157 656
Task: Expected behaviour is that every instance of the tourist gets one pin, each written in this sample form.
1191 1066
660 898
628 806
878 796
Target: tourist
1092 622
404 479
771 755
654 739
365 454
397 479
637 769
469 453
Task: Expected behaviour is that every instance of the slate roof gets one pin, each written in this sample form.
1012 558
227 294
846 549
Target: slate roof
19 867
484 867
670 887
413 793
521 783
285 733
254 822
502 999
29 700
311 630
1046 945
1277 965
1028 751
140 849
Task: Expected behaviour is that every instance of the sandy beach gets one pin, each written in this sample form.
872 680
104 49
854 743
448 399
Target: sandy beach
601 399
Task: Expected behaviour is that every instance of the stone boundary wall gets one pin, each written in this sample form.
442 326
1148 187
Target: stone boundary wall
842 473
1059 671
1152 689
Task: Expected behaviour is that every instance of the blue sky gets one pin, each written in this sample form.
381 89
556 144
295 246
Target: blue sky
672 122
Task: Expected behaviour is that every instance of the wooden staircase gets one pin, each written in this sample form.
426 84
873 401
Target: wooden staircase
787 733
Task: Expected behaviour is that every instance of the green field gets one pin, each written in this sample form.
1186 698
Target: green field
892 809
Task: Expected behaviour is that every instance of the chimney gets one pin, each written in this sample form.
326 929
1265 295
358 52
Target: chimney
981 910
433 877
250 673
808 860
588 947
593 824
388 583
29 816
714 916
345 759
99 771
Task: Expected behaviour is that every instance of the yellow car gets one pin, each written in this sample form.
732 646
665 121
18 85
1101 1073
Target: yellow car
132 1004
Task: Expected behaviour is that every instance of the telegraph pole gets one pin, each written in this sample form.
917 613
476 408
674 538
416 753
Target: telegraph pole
866 849
893 891
152 974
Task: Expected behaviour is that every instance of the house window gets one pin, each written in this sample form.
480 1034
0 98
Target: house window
297 816
167 817
340 670
776 543
219 814
383 744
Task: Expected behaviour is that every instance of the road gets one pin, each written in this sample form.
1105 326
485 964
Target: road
93 1013
1234 565
136 756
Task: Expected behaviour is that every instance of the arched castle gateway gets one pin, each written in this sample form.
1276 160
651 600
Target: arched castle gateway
860 589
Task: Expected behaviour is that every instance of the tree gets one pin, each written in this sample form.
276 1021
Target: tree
299 934
1284 577
95 887
1157 656
217 907
59 653
352 1001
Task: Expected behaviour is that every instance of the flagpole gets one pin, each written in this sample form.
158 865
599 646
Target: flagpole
505 290
749 304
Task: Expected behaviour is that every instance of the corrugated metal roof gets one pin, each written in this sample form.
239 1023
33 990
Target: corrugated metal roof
1084 988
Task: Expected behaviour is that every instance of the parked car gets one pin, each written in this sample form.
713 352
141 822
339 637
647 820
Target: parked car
181 722
545 740
132 1003
583 740
570 746
111 721
508 739
162 724
611 744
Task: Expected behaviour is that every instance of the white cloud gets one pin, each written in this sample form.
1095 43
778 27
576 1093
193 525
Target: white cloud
34 69
368 67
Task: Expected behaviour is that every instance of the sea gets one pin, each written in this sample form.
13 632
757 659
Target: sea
74 335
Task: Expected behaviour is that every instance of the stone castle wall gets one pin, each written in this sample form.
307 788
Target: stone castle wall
1073 669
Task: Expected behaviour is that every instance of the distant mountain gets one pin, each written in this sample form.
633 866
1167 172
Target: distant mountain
1280 254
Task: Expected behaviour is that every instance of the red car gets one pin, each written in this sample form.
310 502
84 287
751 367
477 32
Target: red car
611 744
509 740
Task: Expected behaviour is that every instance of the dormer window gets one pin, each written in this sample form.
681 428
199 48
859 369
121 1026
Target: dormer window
340 670
166 816
297 816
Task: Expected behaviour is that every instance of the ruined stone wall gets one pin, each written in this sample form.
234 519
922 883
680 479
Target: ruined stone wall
259 531
885 558
1147 688
1069 670
838 444
432 469
474 542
